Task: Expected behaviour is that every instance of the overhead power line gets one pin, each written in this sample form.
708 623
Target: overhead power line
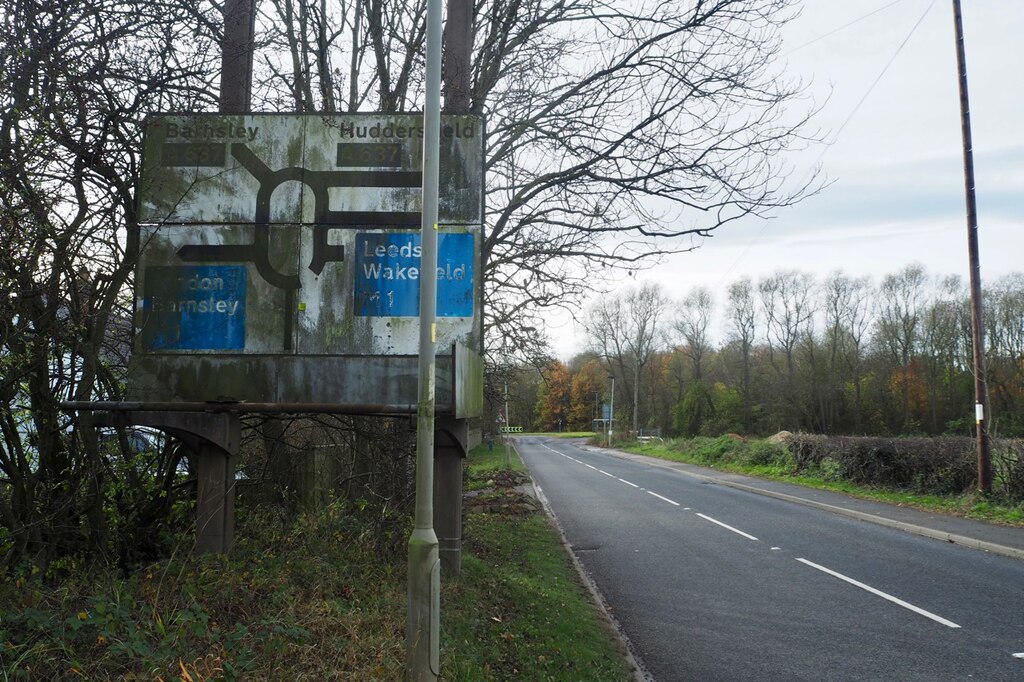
849 117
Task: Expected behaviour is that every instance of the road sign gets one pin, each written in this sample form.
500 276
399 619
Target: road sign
317 217
277 246
349 170
195 307
387 274
511 429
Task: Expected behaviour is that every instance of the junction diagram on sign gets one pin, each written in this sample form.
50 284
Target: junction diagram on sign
312 225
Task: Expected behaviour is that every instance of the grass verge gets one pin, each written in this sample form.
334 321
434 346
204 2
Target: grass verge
522 611
320 597
764 460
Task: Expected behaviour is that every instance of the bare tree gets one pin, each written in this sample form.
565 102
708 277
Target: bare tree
617 131
693 324
621 132
81 77
847 307
788 306
1004 315
743 318
624 331
941 349
899 319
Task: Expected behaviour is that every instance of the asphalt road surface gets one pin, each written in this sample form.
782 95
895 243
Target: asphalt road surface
709 583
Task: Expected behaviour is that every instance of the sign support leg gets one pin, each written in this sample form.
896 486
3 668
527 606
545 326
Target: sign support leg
215 506
449 449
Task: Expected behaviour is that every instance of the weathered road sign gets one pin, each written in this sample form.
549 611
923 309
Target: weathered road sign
345 170
293 240
317 219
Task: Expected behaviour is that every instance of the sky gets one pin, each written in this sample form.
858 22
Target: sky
895 161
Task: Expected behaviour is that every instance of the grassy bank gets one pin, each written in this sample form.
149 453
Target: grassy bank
317 598
522 613
755 457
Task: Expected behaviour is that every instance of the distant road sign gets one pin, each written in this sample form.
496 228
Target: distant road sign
511 429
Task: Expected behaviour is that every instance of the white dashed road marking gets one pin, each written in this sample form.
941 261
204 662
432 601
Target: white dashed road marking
879 593
663 498
728 527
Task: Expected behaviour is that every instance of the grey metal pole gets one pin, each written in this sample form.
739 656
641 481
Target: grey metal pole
508 424
981 407
611 413
423 625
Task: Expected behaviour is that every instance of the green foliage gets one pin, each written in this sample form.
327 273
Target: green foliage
766 453
288 588
696 409
318 596
729 450
728 410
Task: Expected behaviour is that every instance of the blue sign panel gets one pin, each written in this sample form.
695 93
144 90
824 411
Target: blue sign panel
199 307
387 277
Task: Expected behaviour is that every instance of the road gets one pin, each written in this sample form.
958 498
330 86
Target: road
710 583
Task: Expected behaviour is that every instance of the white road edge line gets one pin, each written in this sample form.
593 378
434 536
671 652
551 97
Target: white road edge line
728 527
662 498
879 593
622 480
545 445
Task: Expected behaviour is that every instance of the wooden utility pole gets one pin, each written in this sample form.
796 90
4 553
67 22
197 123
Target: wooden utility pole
458 48
236 51
981 410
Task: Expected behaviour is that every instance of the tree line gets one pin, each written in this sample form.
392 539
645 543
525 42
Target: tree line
838 355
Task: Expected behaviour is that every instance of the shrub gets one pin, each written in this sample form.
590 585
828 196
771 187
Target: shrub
712 450
1008 468
941 466
807 449
765 453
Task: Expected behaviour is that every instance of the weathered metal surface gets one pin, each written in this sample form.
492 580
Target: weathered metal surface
469 382
280 259
285 380
216 289
343 169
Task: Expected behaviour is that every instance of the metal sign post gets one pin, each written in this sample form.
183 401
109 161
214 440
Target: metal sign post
423 627
611 413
